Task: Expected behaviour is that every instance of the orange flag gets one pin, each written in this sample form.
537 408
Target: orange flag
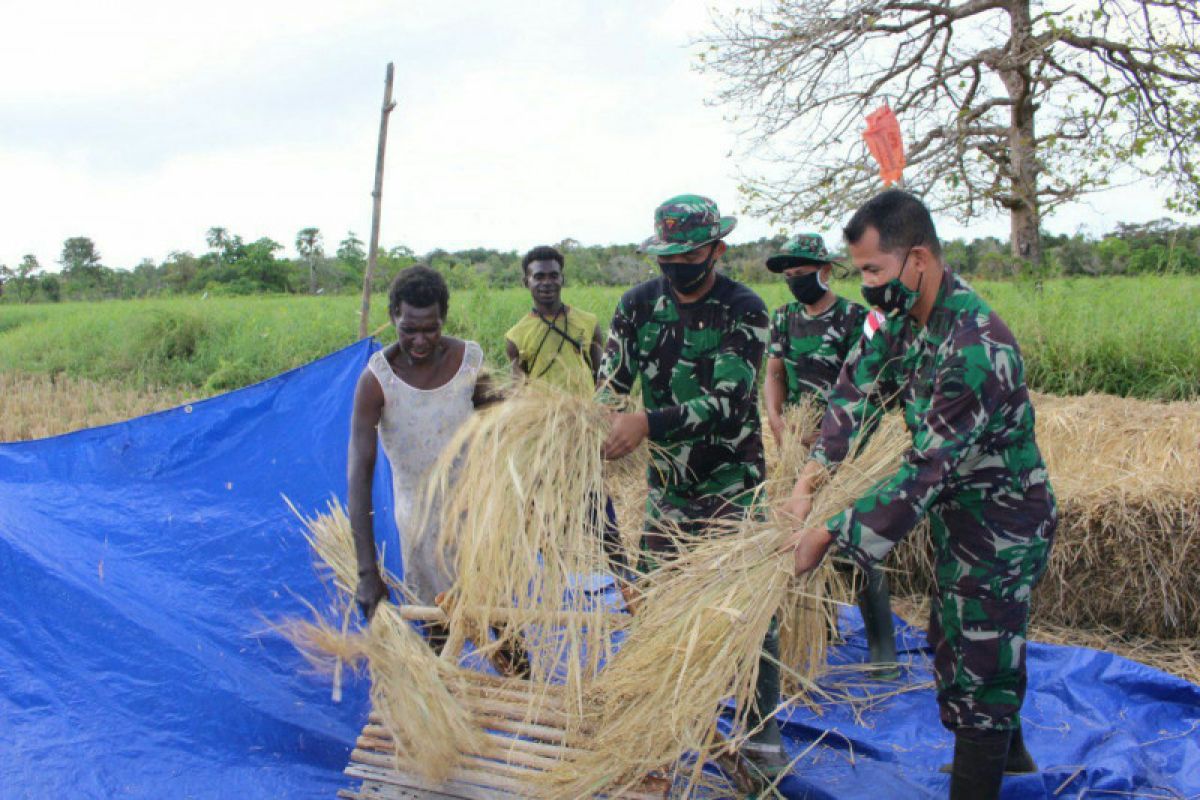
885 143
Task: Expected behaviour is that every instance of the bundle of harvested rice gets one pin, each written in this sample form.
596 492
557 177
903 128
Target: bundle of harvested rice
808 612
785 459
417 695
697 638
1127 476
419 698
519 495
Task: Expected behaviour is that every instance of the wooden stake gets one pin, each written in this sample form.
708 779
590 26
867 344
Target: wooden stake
377 204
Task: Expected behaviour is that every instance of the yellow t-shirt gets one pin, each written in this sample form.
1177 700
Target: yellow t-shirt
549 356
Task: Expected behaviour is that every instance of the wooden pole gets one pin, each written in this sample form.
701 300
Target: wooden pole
377 204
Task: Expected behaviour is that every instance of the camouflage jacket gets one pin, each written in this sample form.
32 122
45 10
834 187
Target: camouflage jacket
813 349
698 364
960 383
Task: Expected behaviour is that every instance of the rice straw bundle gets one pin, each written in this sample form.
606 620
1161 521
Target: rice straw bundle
697 639
521 490
418 698
1127 477
803 634
416 694
785 459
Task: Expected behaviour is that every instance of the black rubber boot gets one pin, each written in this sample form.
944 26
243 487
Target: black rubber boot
764 750
875 603
1020 762
978 769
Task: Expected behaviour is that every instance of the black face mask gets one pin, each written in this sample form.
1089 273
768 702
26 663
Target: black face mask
807 288
894 297
687 278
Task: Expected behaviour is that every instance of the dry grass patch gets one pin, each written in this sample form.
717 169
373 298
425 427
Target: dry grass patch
34 406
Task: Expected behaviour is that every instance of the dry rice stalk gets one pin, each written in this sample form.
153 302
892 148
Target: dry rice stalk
40 405
521 489
697 638
808 612
417 696
785 459
808 615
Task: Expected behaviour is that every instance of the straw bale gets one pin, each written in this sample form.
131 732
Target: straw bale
1180 657
1127 551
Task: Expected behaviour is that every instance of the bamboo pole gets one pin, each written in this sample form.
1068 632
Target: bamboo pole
499 615
377 204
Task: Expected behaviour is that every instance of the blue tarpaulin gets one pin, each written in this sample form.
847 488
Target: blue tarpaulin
141 564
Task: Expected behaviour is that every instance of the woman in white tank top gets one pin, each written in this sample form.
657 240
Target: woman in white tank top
416 393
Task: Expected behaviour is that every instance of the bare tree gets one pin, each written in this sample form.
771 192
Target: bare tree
308 245
1010 104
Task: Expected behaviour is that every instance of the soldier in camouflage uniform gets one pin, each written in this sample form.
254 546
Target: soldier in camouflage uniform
695 338
810 340
938 353
811 337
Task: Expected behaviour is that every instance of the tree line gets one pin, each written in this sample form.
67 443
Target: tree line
232 266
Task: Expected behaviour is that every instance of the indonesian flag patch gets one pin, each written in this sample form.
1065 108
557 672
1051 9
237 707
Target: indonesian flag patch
873 322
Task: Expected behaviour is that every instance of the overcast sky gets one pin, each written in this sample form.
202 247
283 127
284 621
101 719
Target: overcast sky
142 124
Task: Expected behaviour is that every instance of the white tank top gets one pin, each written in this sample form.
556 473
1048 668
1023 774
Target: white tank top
414 428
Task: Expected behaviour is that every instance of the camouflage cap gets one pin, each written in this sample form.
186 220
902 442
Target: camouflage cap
685 222
803 249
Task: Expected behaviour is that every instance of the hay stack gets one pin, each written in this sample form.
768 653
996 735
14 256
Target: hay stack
1127 476
697 637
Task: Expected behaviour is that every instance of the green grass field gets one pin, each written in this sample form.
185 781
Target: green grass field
1128 336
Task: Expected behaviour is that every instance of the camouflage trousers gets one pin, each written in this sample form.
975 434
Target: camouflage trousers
990 549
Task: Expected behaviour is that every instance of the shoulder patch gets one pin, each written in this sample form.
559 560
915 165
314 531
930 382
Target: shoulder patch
873 323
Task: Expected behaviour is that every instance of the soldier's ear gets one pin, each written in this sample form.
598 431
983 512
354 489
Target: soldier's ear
923 257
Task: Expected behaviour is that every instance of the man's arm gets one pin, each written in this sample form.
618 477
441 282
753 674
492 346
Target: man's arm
730 395
618 369
856 401
969 388
368 408
514 359
775 384
854 410
595 351
775 392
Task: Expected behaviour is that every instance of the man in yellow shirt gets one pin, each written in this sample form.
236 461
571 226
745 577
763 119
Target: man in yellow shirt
553 342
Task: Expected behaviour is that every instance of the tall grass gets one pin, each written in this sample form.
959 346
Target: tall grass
1127 336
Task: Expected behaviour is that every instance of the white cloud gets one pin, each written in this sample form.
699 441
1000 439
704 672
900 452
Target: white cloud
141 124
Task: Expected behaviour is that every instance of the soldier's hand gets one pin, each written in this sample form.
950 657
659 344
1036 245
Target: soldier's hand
799 505
778 429
626 433
808 547
370 593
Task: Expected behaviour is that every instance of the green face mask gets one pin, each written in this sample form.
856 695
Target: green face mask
893 297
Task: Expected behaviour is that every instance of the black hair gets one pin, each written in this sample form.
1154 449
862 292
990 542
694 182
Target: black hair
902 220
420 287
543 252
